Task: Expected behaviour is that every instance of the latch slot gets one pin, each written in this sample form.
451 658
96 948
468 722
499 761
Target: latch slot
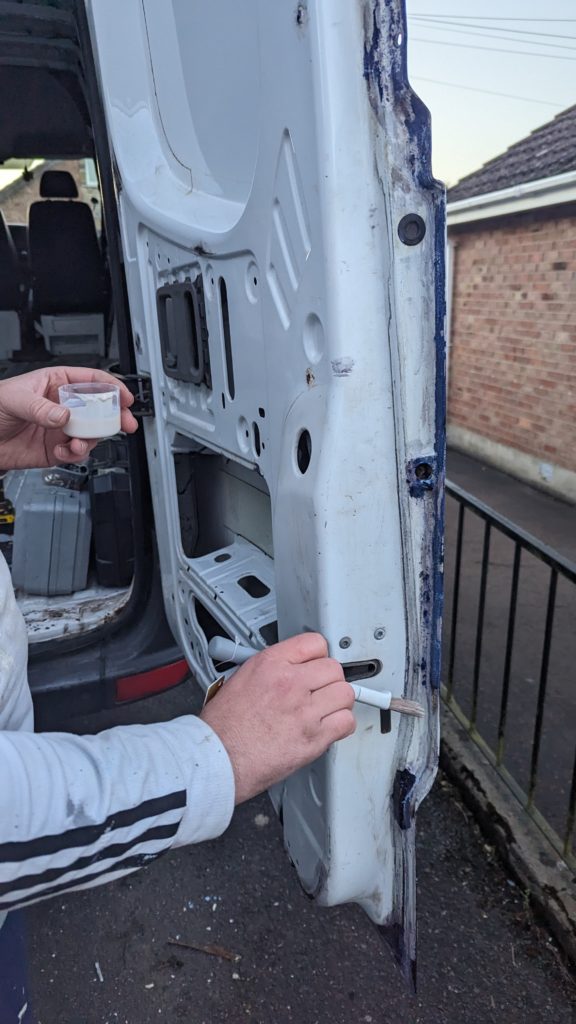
356 670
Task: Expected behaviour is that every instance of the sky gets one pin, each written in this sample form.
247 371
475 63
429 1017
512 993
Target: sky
518 48
462 52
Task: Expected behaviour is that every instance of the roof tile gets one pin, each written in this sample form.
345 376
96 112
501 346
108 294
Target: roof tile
547 151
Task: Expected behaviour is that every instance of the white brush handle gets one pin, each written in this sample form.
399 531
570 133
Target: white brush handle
375 698
221 649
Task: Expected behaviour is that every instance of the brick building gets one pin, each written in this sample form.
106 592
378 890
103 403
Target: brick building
512 302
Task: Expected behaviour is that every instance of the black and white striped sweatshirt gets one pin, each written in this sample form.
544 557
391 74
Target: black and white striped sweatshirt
77 811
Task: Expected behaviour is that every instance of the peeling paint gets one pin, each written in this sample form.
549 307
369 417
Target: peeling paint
403 158
342 367
403 787
302 14
421 476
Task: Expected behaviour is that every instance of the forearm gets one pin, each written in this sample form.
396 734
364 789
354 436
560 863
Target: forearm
79 811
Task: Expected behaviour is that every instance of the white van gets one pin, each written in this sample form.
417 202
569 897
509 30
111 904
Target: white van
269 206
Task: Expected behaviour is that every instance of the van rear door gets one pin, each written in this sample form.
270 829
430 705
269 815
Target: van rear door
284 248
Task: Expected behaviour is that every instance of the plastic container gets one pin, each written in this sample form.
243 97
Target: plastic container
94 409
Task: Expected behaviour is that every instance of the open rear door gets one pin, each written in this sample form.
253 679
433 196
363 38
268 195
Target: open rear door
284 249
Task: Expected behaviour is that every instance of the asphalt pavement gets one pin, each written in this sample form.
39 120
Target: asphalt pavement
121 954
127 953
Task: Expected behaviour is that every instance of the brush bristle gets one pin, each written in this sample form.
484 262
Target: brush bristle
407 707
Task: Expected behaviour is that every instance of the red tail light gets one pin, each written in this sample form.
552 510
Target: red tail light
147 683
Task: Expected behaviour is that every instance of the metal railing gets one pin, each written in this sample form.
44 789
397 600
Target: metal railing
521 630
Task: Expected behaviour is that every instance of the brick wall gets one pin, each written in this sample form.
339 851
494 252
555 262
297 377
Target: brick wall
513 333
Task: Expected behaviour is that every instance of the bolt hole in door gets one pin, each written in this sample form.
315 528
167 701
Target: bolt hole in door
304 451
411 229
253 586
423 471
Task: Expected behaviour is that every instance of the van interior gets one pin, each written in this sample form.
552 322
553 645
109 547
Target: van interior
66 532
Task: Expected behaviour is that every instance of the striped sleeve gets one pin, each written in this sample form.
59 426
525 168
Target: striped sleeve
77 811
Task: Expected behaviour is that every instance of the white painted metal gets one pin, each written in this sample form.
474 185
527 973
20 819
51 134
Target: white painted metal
277 146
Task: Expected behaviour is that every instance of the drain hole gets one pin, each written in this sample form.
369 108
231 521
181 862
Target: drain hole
253 586
304 451
222 558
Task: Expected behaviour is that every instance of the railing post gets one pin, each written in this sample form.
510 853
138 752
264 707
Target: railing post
508 655
455 600
480 624
571 816
542 688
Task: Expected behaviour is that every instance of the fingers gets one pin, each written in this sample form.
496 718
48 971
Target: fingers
338 726
281 710
35 409
320 673
299 649
83 375
337 696
128 422
74 450
28 404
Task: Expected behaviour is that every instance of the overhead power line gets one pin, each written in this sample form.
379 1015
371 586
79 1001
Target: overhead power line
487 92
486 17
431 22
490 35
493 49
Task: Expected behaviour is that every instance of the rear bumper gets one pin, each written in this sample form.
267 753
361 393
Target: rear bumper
82 681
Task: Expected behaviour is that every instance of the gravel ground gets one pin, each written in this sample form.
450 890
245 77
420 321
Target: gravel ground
105 956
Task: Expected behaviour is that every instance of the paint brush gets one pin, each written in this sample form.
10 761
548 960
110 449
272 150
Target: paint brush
386 702
222 650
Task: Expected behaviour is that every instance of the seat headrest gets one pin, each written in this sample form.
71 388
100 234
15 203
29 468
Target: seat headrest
58 185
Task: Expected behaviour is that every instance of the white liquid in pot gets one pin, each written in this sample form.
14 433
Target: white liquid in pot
97 416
